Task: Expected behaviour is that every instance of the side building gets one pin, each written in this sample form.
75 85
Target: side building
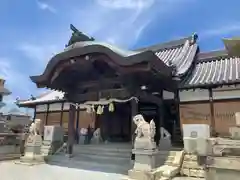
210 93
54 110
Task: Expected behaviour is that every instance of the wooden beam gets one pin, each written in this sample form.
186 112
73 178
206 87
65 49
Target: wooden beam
96 96
100 82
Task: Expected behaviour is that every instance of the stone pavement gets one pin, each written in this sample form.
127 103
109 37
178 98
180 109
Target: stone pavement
11 171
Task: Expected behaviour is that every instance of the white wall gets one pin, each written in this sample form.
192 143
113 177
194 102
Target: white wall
202 94
52 107
55 107
41 108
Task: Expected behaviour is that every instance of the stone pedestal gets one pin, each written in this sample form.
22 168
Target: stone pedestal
145 163
53 140
145 160
32 153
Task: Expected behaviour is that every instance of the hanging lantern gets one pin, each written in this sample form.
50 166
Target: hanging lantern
111 107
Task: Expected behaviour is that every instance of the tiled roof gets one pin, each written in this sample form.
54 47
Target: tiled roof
46 97
179 53
214 68
4 91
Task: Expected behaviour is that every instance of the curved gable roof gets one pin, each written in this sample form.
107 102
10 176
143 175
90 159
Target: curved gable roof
213 68
180 53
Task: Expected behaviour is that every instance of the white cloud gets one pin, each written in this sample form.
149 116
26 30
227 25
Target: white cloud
46 7
15 80
126 4
13 76
122 22
221 30
39 53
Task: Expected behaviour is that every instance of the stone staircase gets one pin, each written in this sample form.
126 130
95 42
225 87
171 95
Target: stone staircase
192 168
49 148
103 157
168 163
46 148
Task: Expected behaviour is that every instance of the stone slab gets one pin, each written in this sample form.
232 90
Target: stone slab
222 174
141 175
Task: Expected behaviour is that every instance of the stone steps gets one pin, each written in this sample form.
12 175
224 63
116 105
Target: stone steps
191 168
108 152
114 157
93 165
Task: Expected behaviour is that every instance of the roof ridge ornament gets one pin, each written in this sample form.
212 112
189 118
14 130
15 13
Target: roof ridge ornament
78 36
194 38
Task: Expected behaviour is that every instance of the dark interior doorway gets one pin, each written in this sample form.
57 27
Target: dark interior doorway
149 112
115 126
171 120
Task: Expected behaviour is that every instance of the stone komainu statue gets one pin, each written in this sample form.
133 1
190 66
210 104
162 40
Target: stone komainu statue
36 127
145 133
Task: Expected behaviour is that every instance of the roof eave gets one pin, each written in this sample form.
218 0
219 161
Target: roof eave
209 86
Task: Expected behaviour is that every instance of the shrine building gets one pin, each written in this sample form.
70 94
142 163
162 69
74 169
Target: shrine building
100 85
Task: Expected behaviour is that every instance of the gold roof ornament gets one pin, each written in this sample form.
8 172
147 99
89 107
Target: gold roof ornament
232 46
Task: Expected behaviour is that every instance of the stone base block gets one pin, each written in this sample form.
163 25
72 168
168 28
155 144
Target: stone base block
145 160
162 173
31 160
235 132
141 175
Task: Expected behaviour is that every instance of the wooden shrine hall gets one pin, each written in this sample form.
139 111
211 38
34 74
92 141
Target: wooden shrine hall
88 70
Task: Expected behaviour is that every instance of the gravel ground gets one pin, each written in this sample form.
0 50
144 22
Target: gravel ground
11 171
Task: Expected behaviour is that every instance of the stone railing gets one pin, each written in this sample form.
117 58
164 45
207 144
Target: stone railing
10 143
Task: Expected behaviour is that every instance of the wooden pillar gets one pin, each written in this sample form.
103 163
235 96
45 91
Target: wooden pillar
46 122
61 115
34 115
161 109
77 125
212 117
177 103
160 116
71 119
134 112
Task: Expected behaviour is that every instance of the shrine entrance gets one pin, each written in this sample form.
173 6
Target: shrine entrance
90 71
116 126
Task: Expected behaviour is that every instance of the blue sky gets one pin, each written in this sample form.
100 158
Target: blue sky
34 30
